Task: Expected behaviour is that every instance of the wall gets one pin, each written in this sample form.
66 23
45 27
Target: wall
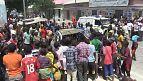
131 10
135 2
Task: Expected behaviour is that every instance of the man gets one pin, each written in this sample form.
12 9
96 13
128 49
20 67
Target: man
96 42
120 42
13 40
71 61
130 26
12 62
29 66
62 58
91 60
108 62
27 38
83 54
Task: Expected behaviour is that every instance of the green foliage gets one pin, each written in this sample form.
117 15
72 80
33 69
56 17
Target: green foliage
43 6
14 4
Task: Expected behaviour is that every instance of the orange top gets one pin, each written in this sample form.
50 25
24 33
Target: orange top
12 62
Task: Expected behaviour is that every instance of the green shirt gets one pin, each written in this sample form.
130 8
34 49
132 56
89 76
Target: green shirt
96 42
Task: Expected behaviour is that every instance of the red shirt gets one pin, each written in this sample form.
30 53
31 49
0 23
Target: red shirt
107 51
43 33
30 65
113 46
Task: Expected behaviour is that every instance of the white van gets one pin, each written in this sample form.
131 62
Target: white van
95 21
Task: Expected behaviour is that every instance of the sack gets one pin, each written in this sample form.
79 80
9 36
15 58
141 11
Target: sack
57 75
44 73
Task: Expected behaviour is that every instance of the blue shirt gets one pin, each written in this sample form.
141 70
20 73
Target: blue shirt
91 57
135 38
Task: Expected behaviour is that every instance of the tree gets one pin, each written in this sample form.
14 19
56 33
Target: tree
44 7
14 4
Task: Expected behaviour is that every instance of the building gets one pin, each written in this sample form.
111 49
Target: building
128 8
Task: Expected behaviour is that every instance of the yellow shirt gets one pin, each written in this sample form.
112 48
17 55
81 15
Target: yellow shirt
50 55
120 40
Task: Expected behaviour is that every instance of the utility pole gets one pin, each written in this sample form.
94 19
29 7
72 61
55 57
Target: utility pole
75 10
24 8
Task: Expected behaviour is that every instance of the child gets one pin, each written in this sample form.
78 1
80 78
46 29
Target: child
134 45
108 63
91 59
126 66
30 65
114 53
45 65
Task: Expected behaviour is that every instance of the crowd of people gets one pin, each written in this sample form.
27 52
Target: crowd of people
28 53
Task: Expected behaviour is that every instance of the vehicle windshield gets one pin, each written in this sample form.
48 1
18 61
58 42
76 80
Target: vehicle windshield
97 22
85 20
102 22
105 22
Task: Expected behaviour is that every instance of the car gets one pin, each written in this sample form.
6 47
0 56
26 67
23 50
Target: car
96 21
62 33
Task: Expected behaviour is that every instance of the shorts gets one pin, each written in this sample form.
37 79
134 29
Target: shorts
134 45
108 69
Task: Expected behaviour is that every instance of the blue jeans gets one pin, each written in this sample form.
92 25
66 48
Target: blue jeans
108 69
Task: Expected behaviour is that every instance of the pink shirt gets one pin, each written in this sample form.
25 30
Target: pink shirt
107 51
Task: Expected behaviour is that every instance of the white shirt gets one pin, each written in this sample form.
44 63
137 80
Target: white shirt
26 38
130 25
11 26
140 25
61 56
125 28
136 27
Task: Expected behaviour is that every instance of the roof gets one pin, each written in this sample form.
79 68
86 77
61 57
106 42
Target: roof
75 1
70 1
32 21
59 1
69 31
93 17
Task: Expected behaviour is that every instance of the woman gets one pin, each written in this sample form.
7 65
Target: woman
127 63
134 45
45 64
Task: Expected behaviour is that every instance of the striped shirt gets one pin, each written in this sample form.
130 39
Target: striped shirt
71 57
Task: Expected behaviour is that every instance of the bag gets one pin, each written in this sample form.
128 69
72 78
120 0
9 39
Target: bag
57 74
44 73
